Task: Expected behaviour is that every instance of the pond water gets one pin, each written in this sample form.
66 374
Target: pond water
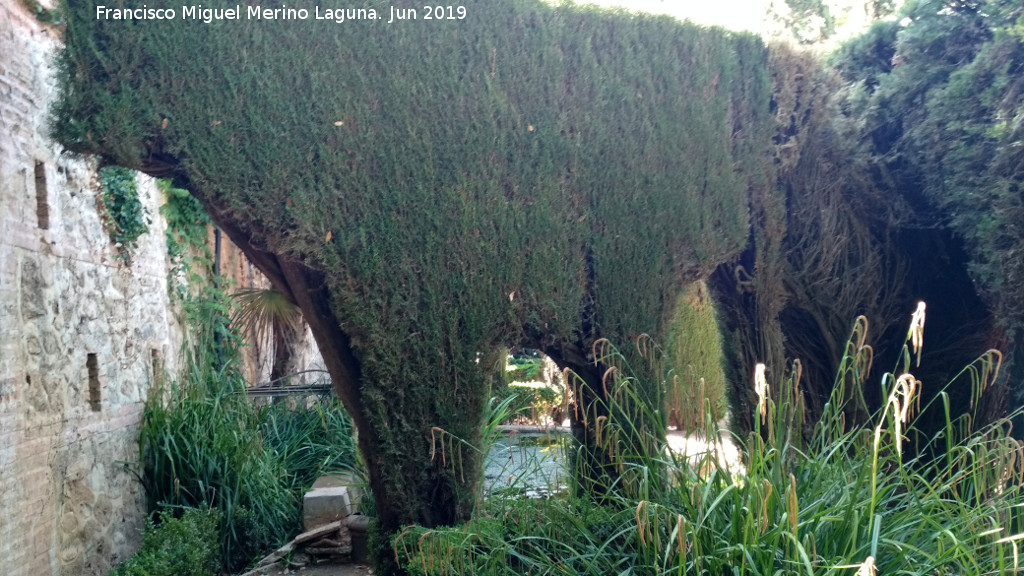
536 463
532 463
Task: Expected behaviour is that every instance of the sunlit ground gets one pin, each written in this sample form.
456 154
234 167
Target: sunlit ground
694 448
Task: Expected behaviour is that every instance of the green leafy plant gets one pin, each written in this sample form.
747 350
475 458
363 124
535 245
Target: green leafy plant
127 219
268 316
200 445
537 386
309 441
530 404
524 367
694 352
187 229
177 545
937 99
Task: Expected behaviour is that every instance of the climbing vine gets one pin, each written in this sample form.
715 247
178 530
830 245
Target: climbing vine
187 226
205 299
126 218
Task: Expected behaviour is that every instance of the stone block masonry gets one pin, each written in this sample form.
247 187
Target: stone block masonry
332 497
78 336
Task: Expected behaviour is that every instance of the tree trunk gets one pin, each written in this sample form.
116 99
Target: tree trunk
422 465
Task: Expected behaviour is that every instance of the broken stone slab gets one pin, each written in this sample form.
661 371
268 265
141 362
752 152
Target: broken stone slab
329 529
331 498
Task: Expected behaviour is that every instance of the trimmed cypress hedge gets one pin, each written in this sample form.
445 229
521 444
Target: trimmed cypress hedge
429 191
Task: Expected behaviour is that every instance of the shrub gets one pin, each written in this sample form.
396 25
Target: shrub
185 546
694 352
535 387
202 447
308 441
207 445
530 405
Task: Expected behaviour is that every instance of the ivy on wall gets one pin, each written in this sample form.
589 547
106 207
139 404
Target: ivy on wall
187 226
125 216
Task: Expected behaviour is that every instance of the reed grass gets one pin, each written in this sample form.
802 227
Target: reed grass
865 499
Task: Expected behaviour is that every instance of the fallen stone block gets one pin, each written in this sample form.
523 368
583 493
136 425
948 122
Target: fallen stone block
331 498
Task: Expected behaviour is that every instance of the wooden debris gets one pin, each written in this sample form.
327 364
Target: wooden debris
277 555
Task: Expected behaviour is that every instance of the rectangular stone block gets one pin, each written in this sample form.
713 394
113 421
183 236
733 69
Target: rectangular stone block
331 498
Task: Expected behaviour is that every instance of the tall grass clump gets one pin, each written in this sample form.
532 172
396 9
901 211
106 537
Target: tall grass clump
628 422
872 498
309 441
200 445
203 444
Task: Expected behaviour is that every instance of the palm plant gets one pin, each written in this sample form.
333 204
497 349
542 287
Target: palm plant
269 316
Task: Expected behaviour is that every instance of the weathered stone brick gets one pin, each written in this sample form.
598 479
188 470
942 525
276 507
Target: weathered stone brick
67 506
61 297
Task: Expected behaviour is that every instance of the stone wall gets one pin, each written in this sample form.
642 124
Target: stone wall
79 336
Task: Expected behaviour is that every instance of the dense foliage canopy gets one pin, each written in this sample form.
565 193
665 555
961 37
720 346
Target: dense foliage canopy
899 180
938 100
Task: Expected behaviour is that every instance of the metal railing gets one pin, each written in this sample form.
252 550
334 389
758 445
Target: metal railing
280 386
